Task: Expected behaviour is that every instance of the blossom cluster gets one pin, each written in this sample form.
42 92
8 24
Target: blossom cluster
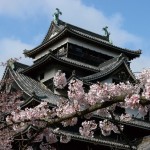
106 127
38 112
87 128
59 80
78 101
10 101
65 108
76 91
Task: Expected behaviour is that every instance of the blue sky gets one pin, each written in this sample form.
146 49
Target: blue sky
24 23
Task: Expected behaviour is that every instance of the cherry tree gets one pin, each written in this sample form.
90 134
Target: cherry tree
99 99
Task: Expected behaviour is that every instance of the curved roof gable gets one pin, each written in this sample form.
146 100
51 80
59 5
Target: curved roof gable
29 85
108 68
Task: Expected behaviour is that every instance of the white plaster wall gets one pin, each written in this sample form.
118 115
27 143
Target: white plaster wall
49 74
41 54
51 71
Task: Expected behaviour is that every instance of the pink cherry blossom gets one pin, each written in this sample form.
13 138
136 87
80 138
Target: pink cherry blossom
133 101
87 128
76 91
106 127
126 117
59 80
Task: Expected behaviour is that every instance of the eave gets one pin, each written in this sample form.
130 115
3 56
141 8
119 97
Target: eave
99 141
49 57
36 50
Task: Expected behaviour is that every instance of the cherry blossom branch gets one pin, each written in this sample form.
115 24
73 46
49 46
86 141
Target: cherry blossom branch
55 121
94 108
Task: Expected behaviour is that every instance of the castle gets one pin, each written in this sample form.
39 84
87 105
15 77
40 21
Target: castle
88 56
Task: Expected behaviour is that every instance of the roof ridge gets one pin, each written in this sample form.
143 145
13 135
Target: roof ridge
111 60
66 28
85 30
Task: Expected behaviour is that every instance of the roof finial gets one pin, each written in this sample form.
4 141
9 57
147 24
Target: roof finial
106 32
56 16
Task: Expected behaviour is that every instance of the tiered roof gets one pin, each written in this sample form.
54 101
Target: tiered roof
75 136
64 29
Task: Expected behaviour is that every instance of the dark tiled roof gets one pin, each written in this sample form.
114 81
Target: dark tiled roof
102 70
74 30
96 37
18 65
99 141
53 27
76 136
138 123
83 31
79 63
29 85
65 60
29 101
108 67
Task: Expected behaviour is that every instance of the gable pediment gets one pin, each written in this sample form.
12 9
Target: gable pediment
53 30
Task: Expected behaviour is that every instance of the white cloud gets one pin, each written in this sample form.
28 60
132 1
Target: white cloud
75 12
12 48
